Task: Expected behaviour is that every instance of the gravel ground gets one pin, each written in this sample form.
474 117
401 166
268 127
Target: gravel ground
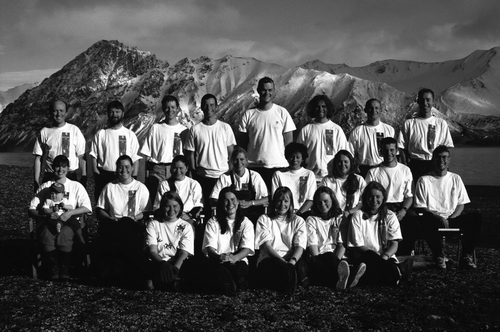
451 300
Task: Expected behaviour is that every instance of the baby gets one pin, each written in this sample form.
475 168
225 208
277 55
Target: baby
58 204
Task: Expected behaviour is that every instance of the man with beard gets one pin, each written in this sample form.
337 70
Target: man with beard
110 143
439 199
61 138
265 131
209 145
420 135
365 139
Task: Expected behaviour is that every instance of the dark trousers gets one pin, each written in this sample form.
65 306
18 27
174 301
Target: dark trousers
378 270
363 169
273 273
207 185
420 167
267 176
157 174
470 224
410 229
323 270
101 180
238 272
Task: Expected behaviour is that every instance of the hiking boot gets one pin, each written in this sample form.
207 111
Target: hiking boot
357 275
440 263
64 273
467 262
291 279
405 268
343 275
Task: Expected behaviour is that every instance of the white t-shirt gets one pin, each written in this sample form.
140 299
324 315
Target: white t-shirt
77 195
440 194
67 140
265 129
170 237
414 136
283 235
124 200
341 196
397 181
301 182
365 140
366 232
323 141
163 142
210 144
324 233
241 183
188 189
109 144
48 204
229 242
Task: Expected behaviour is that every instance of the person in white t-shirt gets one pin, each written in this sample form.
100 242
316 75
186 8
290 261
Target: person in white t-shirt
110 143
398 182
61 138
365 139
169 242
420 135
439 199
301 181
208 146
164 141
264 131
120 208
325 242
346 185
228 240
281 237
323 138
249 186
374 234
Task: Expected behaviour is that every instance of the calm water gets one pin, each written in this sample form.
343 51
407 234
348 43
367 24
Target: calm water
476 166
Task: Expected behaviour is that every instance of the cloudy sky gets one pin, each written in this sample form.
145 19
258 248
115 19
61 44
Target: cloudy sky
38 37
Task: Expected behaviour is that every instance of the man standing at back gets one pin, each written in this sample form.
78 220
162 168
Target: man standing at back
209 145
61 138
365 139
265 131
109 144
419 136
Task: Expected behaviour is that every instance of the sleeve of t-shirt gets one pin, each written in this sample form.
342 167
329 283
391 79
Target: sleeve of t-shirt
261 190
146 149
151 236
162 188
197 194
134 147
37 148
144 200
189 145
463 197
408 183
230 139
101 201
242 127
355 231
302 136
82 197
311 186
248 236
393 227
80 143
186 242
420 195
369 176
94 145
402 139
288 122
300 234
362 185
217 188
448 141
210 238
312 235
263 231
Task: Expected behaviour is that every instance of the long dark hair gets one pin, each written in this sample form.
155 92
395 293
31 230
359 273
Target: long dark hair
220 212
278 194
334 211
351 185
382 210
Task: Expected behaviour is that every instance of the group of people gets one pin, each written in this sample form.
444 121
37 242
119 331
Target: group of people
256 207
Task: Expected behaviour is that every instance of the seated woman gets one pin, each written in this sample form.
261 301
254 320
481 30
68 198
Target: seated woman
57 246
169 241
301 181
188 189
374 233
281 237
345 184
249 186
228 240
325 244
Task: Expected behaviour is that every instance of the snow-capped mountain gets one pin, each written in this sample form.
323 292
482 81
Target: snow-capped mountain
110 70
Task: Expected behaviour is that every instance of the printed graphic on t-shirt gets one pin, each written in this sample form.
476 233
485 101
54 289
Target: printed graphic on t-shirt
302 189
122 145
131 203
431 136
244 186
65 144
177 144
379 138
329 142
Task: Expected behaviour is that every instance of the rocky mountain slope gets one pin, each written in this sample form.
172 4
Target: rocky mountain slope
110 70
11 95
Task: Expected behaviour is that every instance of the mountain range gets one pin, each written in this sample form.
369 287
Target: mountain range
467 91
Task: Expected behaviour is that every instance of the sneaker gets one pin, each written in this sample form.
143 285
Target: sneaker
467 262
440 262
343 274
64 274
356 276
